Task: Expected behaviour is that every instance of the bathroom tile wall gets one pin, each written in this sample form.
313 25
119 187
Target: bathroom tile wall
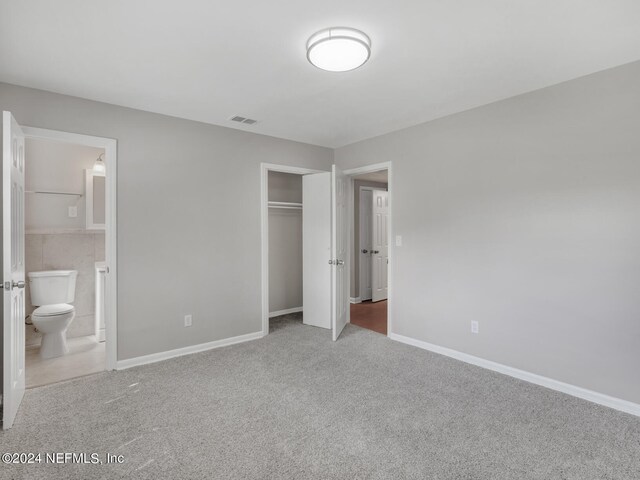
67 251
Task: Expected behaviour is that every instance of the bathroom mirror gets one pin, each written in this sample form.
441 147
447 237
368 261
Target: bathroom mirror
95 198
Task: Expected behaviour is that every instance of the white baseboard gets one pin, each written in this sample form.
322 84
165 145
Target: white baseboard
355 300
285 312
178 352
590 395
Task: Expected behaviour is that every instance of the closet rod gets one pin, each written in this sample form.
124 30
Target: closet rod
285 204
54 193
290 205
284 207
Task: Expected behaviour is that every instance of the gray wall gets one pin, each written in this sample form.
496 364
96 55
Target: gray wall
57 167
285 243
524 215
355 268
188 216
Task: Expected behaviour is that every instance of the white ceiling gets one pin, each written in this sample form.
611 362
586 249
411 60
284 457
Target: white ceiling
209 60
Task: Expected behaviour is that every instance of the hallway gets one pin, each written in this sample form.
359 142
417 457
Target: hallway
369 315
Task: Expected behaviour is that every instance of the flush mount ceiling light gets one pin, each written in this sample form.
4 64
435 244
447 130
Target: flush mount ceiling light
338 49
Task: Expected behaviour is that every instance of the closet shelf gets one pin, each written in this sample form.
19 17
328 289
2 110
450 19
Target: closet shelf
286 205
54 193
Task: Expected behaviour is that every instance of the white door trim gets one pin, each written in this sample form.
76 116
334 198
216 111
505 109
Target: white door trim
376 167
265 168
110 146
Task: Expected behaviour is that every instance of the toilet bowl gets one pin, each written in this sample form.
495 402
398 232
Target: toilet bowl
53 291
52 321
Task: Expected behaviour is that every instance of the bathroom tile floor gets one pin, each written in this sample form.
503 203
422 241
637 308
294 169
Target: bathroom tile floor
86 356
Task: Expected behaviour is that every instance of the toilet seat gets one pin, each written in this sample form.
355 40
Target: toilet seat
52 310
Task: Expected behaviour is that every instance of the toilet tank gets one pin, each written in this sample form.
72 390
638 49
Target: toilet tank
52 286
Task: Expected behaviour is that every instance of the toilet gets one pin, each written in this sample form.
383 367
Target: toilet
52 292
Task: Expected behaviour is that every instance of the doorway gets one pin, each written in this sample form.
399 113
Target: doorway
285 249
107 326
281 244
370 235
65 233
59 216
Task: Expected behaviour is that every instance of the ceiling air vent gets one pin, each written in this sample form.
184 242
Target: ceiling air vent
239 119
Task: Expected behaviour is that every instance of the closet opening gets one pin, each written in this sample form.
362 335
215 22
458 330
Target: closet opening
283 237
285 248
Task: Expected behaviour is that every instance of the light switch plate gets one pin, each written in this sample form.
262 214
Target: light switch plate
398 240
73 212
188 320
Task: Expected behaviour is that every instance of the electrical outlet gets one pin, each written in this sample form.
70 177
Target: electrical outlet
398 240
474 326
188 320
73 212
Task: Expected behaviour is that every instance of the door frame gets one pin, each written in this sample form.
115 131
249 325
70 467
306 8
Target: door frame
375 167
265 168
110 147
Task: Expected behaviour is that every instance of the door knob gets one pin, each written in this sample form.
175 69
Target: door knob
375 252
19 284
339 262
364 250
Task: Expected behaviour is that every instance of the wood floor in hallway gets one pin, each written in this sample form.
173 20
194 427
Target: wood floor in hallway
370 315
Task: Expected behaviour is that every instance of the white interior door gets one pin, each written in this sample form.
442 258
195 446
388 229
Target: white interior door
339 253
316 249
380 254
12 267
365 244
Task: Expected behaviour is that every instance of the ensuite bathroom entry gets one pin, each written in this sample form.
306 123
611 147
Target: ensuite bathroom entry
64 260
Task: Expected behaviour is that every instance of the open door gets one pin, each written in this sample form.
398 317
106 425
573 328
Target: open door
316 249
12 268
365 246
339 252
380 242
324 251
